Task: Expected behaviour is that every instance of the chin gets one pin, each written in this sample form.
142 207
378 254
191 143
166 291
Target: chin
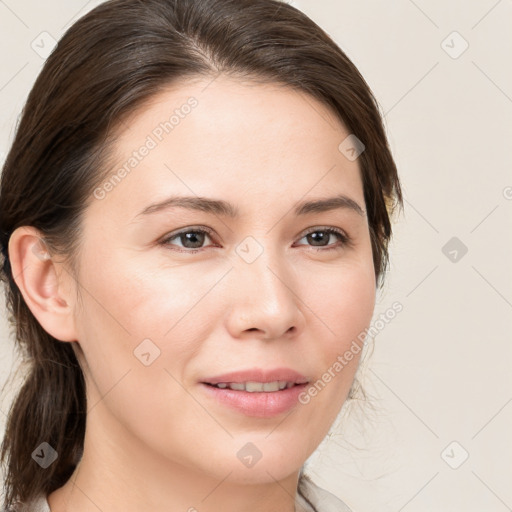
262 473
261 462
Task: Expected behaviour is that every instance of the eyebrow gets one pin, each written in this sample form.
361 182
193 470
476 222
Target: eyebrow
225 209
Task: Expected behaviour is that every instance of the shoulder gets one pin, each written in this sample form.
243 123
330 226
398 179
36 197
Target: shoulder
322 500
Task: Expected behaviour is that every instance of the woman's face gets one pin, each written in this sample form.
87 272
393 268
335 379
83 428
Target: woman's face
239 277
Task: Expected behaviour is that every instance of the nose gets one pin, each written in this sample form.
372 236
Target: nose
263 300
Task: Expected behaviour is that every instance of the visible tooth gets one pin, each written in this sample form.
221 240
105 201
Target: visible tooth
254 386
237 386
271 386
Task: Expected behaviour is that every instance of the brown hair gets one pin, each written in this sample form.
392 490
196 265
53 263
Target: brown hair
106 65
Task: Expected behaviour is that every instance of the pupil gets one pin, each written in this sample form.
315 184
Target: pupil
197 239
314 238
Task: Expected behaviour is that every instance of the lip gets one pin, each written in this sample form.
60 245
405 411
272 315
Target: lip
257 404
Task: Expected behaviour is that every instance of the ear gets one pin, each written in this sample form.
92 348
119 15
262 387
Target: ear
44 284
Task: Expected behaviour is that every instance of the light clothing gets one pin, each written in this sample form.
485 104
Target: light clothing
322 500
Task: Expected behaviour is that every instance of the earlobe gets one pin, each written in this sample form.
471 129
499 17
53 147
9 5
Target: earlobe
42 283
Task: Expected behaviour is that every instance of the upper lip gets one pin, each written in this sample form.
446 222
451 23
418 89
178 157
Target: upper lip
259 375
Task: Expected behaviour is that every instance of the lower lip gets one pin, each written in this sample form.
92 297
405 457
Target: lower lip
258 404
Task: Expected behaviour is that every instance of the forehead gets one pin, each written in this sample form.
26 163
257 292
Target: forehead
226 137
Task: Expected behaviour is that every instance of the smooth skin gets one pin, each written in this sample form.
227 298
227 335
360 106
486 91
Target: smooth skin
154 440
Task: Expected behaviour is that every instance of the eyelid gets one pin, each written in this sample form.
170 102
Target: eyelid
174 234
324 228
345 240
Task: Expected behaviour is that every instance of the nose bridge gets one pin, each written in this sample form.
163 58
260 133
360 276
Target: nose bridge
263 264
262 295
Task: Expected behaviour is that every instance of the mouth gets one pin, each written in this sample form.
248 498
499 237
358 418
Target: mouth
257 393
256 387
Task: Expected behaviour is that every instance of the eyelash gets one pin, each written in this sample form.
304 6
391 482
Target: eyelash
344 239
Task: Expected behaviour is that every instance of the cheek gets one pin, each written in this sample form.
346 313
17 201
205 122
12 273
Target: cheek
138 331
126 304
350 305
341 300
341 305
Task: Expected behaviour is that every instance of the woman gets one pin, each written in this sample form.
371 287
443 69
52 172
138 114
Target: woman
194 221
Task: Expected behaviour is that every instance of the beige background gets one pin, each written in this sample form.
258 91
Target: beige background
440 372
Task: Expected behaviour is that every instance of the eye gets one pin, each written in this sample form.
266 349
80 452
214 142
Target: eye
191 239
320 237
